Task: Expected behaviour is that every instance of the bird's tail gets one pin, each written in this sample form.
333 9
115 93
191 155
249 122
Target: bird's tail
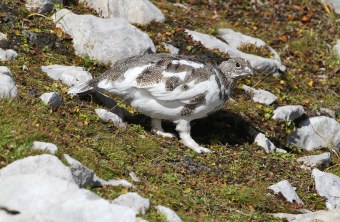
80 88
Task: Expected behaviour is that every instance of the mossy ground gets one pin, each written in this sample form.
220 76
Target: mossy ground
227 185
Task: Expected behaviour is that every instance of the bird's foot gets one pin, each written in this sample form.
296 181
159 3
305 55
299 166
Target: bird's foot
163 134
201 149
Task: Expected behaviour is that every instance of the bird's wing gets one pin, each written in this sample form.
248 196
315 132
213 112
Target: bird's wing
177 79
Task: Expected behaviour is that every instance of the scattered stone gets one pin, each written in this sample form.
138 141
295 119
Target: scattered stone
134 177
44 146
44 165
180 5
8 88
7 55
322 160
107 116
41 6
112 105
84 176
262 141
260 96
336 47
69 75
317 132
288 113
170 215
328 185
134 11
287 190
3 37
57 200
138 219
105 40
336 5
139 204
317 216
52 99
172 49
328 112
263 65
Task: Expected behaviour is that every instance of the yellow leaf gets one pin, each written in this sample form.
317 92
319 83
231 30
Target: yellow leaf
311 83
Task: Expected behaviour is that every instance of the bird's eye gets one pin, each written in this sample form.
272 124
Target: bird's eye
238 65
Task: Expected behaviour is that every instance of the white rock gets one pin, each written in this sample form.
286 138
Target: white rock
6 55
336 5
37 145
170 215
134 11
108 116
134 177
172 49
8 88
82 175
328 185
139 219
139 204
317 216
237 39
262 141
321 160
317 132
52 99
57 200
3 37
41 6
259 95
264 65
336 47
114 183
69 75
287 190
288 113
106 40
43 165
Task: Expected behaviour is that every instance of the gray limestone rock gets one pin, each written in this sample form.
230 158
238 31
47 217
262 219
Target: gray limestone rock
43 165
41 6
172 49
328 185
139 204
50 147
134 11
3 37
84 176
8 88
69 75
317 216
263 65
7 55
321 161
105 40
262 141
259 95
288 113
170 215
57 200
52 99
328 112
134 177
317 132
287 190
108 116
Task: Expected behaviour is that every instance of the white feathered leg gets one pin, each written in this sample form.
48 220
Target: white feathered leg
183 128
156 128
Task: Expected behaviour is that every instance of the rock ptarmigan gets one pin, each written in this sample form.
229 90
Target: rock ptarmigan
171 87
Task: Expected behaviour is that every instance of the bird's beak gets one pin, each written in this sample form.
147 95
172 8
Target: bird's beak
248 71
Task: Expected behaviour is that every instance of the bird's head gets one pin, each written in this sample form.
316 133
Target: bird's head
236 68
